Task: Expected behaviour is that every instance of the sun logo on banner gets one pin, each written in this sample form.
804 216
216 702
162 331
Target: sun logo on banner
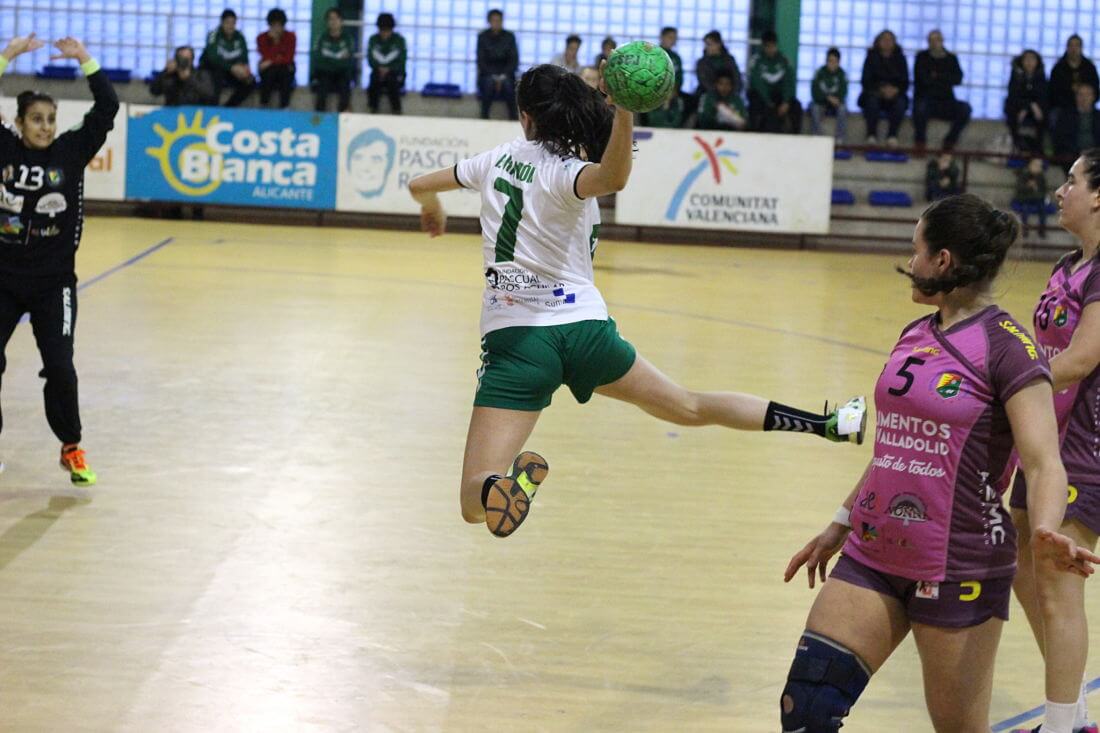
712 156
186 136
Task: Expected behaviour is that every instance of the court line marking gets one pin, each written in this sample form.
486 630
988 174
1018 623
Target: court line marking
1091 687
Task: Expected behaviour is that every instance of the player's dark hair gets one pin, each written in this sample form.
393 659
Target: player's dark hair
1091 156
227 13
386 21
494 11
276 15
834 51
570 117
978 236
24 101
769 36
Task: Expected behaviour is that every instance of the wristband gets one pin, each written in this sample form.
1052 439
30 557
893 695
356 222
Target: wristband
843 517
90 67
3 63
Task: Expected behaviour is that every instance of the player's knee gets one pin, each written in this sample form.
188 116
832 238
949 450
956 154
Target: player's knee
824 682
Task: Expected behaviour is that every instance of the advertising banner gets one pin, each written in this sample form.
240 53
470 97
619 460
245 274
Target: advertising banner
379 154
729 180
246 157
105 176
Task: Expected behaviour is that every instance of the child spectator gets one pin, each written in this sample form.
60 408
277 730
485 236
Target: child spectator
386 55
276 46
333 63
830 90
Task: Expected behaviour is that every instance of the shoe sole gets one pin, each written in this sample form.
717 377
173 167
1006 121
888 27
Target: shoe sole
510 497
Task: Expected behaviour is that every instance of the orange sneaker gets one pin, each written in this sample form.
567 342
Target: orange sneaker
72 460
510 497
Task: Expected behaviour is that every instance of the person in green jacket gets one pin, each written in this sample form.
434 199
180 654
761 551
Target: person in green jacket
773 106
669 114
386 55
722 109
332 63
829 90
226 58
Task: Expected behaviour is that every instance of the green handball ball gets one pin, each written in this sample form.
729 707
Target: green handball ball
639 76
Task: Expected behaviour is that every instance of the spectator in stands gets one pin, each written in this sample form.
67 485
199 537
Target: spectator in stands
226 58
567 59
829 91
715 60
1072 69
181 83
1077 129
276 46
1025 107
1031 194
722 109
885 82
386 54
936 73
606 47
497 61
773 106
332 66
942 177
669 36
591 76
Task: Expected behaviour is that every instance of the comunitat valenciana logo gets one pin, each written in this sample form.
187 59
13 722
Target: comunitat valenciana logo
197 158
711 156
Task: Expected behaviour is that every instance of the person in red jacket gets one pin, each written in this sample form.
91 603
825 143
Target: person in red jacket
276 46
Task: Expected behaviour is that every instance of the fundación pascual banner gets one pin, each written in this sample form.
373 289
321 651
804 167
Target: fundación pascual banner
244 157
712 179
105 175
379 154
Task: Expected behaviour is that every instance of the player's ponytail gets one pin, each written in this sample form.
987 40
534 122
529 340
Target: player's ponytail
26 99
570 117
977 234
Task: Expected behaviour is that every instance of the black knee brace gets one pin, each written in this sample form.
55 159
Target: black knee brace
825 681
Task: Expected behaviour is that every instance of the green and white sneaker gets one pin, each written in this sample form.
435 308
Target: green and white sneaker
510 496
847 423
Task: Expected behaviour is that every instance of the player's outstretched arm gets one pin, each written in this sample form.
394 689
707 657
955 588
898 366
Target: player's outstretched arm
612 172
425 189
20 45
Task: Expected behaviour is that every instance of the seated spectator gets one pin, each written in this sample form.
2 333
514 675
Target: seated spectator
276 47
226 58
1078 129
773 106
669 36
1025 106
942 177
567 59
590 75
497 61
332 66
936 73
181 83
885 82
716 59
1073 69
669 114
722 109
606 47
830 90
386 55
1031 194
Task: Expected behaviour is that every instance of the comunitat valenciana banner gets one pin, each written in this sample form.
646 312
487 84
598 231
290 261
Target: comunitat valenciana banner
105 176
729 180
244 157
379 154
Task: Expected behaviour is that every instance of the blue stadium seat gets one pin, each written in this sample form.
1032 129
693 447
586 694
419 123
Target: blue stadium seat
118 76
1016 163
1029 208
843 197
842 154
886 156
890 198
56 72
447 91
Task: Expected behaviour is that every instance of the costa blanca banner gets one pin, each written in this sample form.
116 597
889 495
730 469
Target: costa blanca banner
729 180
248 157
379 154
105 176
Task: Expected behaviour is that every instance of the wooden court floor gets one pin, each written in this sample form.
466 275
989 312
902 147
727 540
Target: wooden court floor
277 417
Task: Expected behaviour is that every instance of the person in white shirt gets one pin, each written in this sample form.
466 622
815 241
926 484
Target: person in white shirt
567 59
544 322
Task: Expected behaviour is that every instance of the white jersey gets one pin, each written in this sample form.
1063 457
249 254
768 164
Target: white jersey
540 237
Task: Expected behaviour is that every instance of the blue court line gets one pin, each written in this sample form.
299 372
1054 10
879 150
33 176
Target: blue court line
1091 687
122 266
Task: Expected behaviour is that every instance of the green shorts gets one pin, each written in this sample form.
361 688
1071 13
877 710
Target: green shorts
522 366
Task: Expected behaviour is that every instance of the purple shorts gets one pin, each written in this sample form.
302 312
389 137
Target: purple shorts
1083 503
955 605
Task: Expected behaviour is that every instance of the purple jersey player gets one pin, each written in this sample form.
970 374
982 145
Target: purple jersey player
1067 329
933 551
